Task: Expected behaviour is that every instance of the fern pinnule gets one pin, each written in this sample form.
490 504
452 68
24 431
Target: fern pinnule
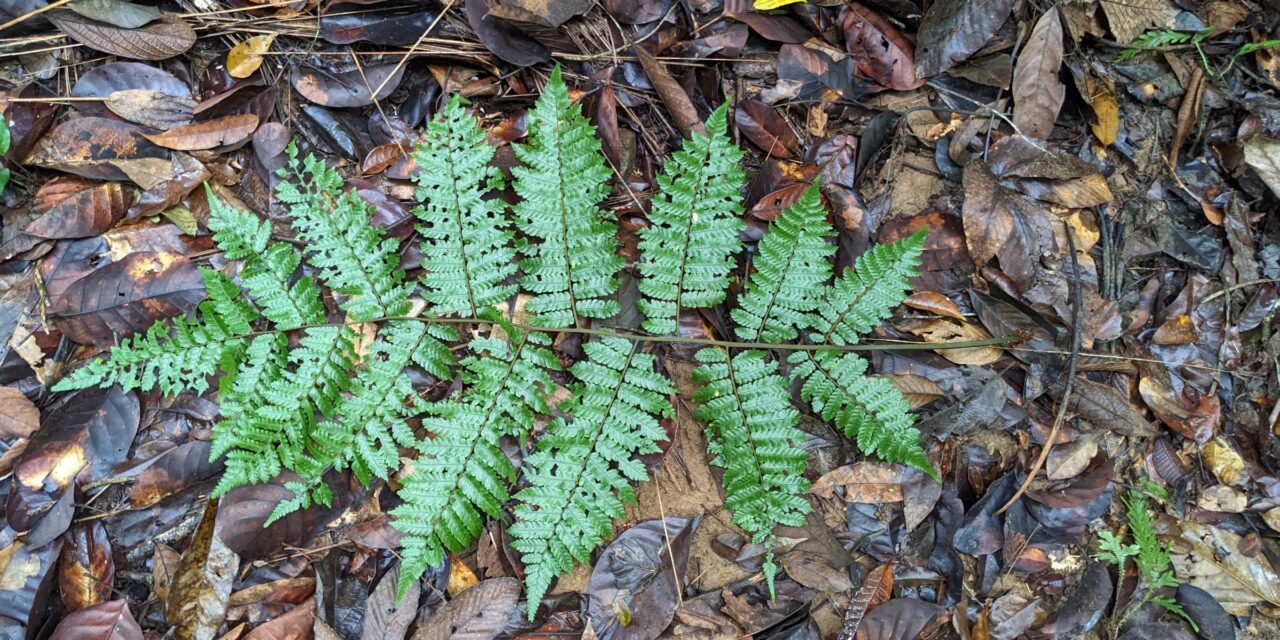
462 474
570 259
688 249
793 265
866 295
580 475
752 435
468 257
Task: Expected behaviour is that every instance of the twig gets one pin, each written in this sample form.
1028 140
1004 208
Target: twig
1077 304
32 14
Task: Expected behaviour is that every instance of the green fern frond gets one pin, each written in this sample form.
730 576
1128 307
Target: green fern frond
866 295
752 435
579 477
688 249
570 261
351 256
866 408
792 268
466 240
463 474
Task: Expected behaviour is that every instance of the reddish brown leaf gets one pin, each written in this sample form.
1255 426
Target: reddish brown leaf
127 296
207 134
876 589
294 625
987 219
18 416
1196 420
879 50
86 570
85 437
772 204
768 130
902 619
1176 330
934 302
381 157
106 621
89 147
176 469
84 213
673 95
1037 91
164 38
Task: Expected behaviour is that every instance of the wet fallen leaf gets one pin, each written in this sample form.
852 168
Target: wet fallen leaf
875 590
86 569
1106 407
768 130
127 296
89 147
771 205
1216 564
953 30
164 38
386 616
198 595
18 416
85 437
479 613
1176 330
1037 91
935 303
151 108
634 577
246 57
879 50
673 95
507 43
918 390
353 88
988 222
125 15
902 619
296 625
1223 461
106 621
377 28
207 134
88 212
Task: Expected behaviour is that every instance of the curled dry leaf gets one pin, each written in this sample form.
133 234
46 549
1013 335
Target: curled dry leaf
127 296
1037 91
878 49
85 213
106 621
18 416
159 40
198 594
246 57
768 130
944 331
935 303
151 108
673 95
207 134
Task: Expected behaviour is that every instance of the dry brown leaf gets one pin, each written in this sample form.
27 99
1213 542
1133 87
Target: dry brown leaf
934 302
18 416
159 40
461 577
201 587
151 108
1223 461
866 482
988 223
1129 18
918 390
1216 564
944 331
207 134
1037 91
246 57
673 95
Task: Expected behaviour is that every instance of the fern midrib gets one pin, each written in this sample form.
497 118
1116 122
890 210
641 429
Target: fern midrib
561 193
746 422
599 432
334 348
354 257
773 295
284 286
844 313
462 235
386 385
688 235
493 407
837 384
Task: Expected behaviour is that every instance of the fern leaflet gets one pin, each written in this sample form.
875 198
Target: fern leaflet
466 244
570 263
689 246
865 296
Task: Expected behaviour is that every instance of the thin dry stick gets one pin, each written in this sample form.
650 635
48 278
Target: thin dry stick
405 58
32 14
1077 304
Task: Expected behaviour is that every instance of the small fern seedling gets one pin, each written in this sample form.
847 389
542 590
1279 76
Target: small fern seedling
689 247
1155 569
570 261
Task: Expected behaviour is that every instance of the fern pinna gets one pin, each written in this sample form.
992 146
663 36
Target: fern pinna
299 394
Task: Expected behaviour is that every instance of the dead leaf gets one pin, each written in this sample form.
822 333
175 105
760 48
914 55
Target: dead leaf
387 617
768 130
673 95
18 416
164 563
988 222
1263 156
151 108
918 390
812 570
866 482
479 613
1223 461
207 134
81 214
878 49
125 15
347 89
86 569
875 590
953 30
1216 564
1037 91
197 603
246 57
295 625
771 205
159 40
1129 18
944 331
106 621
509 44
935 303
461 577
89 147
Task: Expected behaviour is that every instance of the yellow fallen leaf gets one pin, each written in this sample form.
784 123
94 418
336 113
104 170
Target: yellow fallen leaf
246 57
1223 461
461 577
765 5
1107 111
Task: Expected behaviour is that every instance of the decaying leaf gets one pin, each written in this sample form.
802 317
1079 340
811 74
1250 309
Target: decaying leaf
198 595
151 108
164 38
207 134
18 416
1037 91
953 30
1217 564
879 50
944 331
479 613
1262 154
106 621
246 57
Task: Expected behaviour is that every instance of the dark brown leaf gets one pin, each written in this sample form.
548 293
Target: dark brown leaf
479 613
104 80
673 95
875 590
159 40
953 30
879 50
634 574
296 625
174 470
988 222
86 570
771 205
125 15
348 89
18 416
106 621
82 439
387 617
245 509
127 296
507 43
151 108
377 28
768 130
545 13
902 619
934 302
207 134
24 571
1104 406
90 147
197 603
87 212
1037 91
381 157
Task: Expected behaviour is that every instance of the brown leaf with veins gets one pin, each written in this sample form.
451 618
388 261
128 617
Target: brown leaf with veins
934 303
987 219
201 587
151 108
88 147
768 130
106 621
159 40
86 570
207 134
1037 91
673 95
865 482
125 297
84 213
875 590
878 49
18 416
